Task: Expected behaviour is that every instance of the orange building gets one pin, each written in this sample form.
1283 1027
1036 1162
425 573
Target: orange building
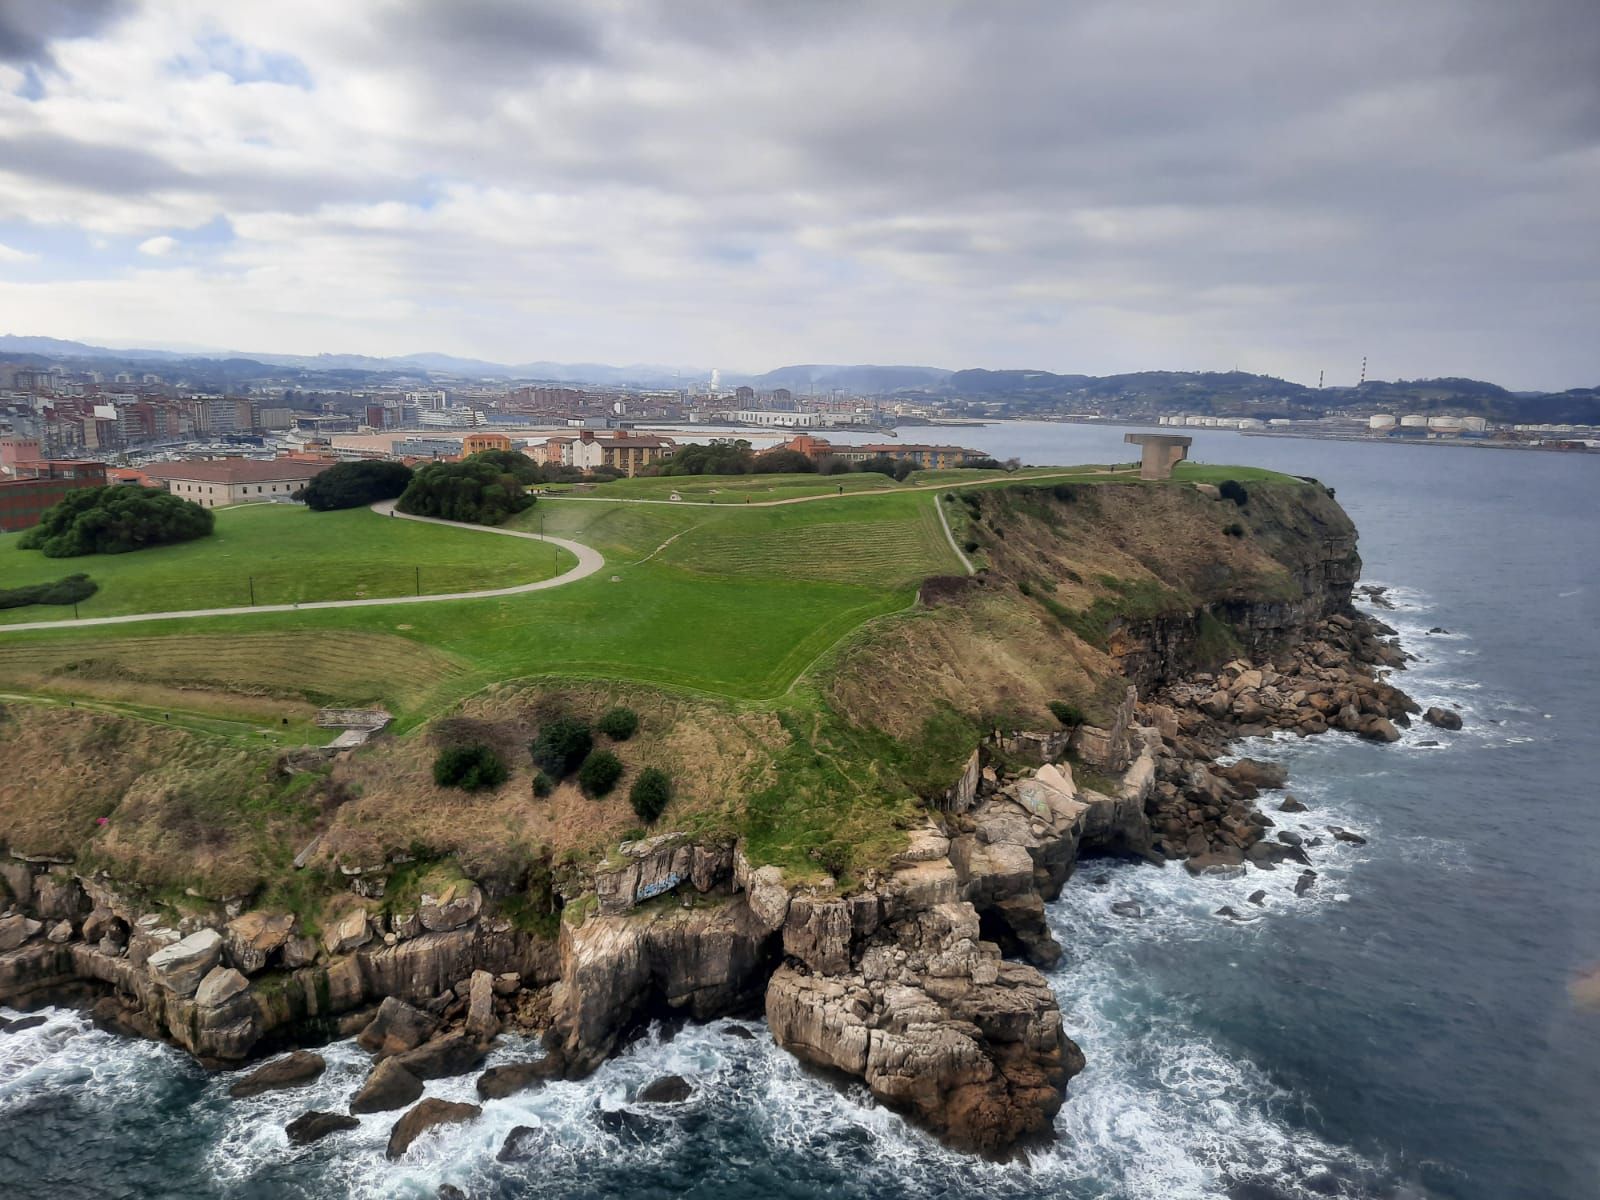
477 443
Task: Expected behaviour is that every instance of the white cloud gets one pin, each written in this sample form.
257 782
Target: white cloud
13 255
1095 187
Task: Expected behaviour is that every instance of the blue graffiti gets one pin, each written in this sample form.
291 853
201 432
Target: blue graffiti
665 884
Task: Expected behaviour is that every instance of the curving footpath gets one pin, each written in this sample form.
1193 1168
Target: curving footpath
589 561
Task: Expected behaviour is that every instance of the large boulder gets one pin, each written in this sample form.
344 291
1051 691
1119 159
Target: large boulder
455 1054
481 1021
455 906
388 1087
1443 718
1255 773
347 932
17 929
669 1089
292 1070
507 1080
220 985
1380 729
423 1117
396 1028
249 940
181 966
314 1126
58 897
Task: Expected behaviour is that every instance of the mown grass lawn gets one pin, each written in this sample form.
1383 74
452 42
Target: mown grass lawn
289 555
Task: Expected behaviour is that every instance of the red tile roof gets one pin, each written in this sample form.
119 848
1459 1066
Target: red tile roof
236 470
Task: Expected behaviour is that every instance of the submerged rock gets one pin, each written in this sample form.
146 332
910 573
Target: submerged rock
314 1126
507 1080
520 1144
1443 718
1127 908
1346 835
1307 881
455 1054
669 1089
425 1116
390 1086
1291 805
292 1070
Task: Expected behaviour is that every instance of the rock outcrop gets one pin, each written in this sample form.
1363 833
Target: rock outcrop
430 1114
929 1016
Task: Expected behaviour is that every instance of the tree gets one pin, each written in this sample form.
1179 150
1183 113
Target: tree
650 794
718 458
509 462
115 520
779 461
619 724
561 745
599 773
471 768
896 468
477 492
355 484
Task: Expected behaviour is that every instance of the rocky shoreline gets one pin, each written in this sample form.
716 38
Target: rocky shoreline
923 982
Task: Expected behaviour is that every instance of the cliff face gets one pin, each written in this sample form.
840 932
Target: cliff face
903 972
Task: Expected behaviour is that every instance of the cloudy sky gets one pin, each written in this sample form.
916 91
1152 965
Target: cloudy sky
1088 187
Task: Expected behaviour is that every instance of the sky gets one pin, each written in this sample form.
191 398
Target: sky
1078 187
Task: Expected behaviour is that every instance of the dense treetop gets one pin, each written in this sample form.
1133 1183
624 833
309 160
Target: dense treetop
471 490
354 484
115 520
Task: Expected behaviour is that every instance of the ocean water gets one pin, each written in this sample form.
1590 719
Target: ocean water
1402 1031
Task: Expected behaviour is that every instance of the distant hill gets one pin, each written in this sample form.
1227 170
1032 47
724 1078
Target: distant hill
1006 392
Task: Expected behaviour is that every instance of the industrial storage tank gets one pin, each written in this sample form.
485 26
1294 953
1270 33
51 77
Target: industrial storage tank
1446 424
1381 421
1475 424
1413 421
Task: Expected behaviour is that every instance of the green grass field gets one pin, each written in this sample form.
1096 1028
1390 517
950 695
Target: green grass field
734 600
288 555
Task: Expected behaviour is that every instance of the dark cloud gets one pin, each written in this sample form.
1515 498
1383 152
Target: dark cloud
27 27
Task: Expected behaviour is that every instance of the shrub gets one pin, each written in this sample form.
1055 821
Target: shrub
470 768
981 464
1067 714
470 490
969 545
650 794
561 745
543 785
115 520
509 462
67 590
599 773
355 484
619 724
779 461
896 468
1233 490
1233 530
717 458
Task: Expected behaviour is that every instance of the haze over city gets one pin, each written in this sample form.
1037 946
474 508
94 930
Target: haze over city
1094 188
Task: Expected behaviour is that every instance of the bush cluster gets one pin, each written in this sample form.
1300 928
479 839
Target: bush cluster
115 520
471 768
472 490
619 724
561 745
650 794
599 773
1233 490
1067 714
68 590
355 484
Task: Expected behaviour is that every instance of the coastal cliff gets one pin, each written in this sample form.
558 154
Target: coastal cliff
1071 700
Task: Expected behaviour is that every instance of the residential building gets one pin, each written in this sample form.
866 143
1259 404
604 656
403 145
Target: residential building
36 486
625 452
929 458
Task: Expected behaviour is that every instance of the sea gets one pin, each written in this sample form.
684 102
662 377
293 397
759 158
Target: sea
1404 1030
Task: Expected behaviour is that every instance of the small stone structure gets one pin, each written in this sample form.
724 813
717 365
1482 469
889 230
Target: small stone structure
358 724
1162 452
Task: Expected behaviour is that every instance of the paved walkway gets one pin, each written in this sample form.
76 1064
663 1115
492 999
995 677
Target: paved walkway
589 561
948 485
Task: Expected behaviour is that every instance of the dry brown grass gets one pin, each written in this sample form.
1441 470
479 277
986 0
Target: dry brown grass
715 754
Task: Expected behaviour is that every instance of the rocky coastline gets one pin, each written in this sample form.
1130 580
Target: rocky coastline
923 982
